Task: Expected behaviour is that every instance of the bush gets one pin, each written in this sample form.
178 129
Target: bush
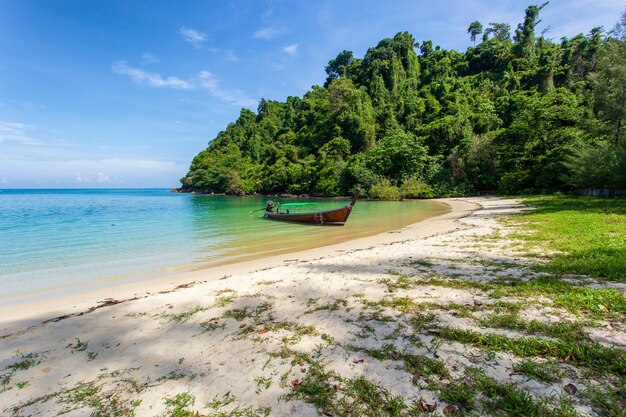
414 188
235 185
385 190
596 166
515 182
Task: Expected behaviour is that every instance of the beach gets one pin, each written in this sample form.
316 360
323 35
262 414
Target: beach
249 337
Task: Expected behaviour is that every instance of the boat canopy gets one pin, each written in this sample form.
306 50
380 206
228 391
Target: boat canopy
299 204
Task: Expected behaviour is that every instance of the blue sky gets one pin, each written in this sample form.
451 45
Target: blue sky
125 93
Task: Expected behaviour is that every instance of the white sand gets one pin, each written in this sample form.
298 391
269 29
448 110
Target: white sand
140 350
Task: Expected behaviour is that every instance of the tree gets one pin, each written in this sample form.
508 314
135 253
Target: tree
525 33
338 67
619 30
595 166
500 31
609 84
474 29
399 155
426 48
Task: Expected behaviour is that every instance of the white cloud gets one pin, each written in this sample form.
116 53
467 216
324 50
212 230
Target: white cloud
268 33
103 178
291 49
17 132
193 36
148 58
209 82
204 81
150 78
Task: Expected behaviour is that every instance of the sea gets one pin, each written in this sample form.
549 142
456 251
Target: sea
56 240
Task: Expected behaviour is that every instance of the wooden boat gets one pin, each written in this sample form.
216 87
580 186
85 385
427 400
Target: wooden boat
337 217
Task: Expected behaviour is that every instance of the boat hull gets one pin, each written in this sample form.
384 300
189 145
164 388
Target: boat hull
337 217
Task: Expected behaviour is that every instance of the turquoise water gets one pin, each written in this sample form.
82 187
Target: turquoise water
63 238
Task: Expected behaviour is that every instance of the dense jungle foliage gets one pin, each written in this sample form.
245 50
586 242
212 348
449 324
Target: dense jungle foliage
516 114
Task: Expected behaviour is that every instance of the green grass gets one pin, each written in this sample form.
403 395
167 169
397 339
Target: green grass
567 330
607 401
317 388
476 393
25 362
333 395
401 282
542 371
444 281
225 300
589 234
79 346
109 403
417 365
460 394
334 306
597 303
210 325
240 314
424 367
184 316
590 355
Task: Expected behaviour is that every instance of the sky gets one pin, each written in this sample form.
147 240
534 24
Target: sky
123 94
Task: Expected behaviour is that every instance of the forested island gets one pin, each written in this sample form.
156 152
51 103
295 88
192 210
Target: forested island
515 113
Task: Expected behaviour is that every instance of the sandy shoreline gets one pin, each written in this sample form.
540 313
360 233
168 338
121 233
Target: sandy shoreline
243 339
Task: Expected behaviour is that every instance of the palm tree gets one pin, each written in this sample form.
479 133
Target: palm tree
474 29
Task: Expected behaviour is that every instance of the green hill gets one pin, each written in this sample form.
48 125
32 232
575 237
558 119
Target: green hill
513 114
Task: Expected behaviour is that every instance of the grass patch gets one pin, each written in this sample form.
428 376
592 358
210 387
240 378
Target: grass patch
402 282
79 346
240 314
24 362
404 304
225 300
476 393
422 321
186 315
567 331
542 371
424 367
103 403
597 303
437 280
420 262
591 355
268 282
460 394
609 401
417 365
333 395
588 234
334 306
211 325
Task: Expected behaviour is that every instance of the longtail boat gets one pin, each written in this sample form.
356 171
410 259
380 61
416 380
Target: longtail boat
336 217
